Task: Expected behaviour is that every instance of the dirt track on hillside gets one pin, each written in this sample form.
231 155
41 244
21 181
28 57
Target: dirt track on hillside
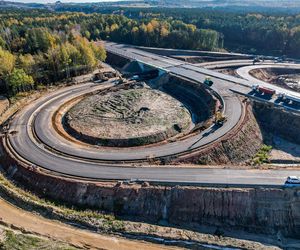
34 224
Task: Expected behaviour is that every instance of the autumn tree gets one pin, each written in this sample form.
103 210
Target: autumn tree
18 81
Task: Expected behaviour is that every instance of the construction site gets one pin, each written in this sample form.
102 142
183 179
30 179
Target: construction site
164 143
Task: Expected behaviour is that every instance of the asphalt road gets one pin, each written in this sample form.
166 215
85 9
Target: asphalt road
38 116
88 162
240 85
244 72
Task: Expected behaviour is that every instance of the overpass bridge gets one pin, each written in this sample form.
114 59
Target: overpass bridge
223 84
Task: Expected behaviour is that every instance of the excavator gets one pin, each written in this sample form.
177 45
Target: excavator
220 119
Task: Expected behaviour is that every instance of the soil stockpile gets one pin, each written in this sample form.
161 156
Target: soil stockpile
129 117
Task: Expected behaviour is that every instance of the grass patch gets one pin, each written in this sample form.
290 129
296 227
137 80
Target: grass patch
18 241
262 156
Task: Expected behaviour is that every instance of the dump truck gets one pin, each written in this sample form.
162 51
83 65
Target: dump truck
263 90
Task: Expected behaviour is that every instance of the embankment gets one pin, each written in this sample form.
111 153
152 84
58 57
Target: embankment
260 210
278 121
194 96
238 146
115 60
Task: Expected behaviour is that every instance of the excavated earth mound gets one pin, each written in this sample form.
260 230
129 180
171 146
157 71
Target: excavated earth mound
127 117
283 77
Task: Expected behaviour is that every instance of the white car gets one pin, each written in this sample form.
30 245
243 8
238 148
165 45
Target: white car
293 180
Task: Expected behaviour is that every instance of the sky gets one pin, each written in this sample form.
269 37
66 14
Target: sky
64 1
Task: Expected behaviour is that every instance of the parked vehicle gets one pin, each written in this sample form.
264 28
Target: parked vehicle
257 60
280 59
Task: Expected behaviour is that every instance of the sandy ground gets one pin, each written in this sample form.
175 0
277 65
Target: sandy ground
4 103
33 224
136 112
284 151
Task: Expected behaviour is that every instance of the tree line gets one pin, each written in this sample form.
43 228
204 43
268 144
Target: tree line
272 33
44 47
34 53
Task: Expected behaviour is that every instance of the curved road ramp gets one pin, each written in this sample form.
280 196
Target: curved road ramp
127 147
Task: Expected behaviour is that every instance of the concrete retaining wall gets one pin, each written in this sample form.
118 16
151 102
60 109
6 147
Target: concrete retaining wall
115 60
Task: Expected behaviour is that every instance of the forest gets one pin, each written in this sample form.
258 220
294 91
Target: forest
265 32
268 31
42 47
36 51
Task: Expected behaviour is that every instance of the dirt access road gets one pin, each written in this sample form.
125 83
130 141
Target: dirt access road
34 224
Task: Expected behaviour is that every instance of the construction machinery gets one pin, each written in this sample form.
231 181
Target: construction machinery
208 81
220 119
263 90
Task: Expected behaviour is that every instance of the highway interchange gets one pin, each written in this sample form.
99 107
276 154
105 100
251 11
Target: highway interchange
36 142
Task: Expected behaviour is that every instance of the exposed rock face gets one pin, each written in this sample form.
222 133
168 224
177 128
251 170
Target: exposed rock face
261 210
278 121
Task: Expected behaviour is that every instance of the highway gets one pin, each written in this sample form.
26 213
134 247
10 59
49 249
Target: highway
230 64
222 83
36 142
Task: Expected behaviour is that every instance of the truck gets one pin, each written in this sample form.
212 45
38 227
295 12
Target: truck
208 81
220 119
263 90
257 60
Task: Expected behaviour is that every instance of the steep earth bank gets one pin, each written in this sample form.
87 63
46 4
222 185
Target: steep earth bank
260 210
115 60
206 238
277 121
197 98
238 146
